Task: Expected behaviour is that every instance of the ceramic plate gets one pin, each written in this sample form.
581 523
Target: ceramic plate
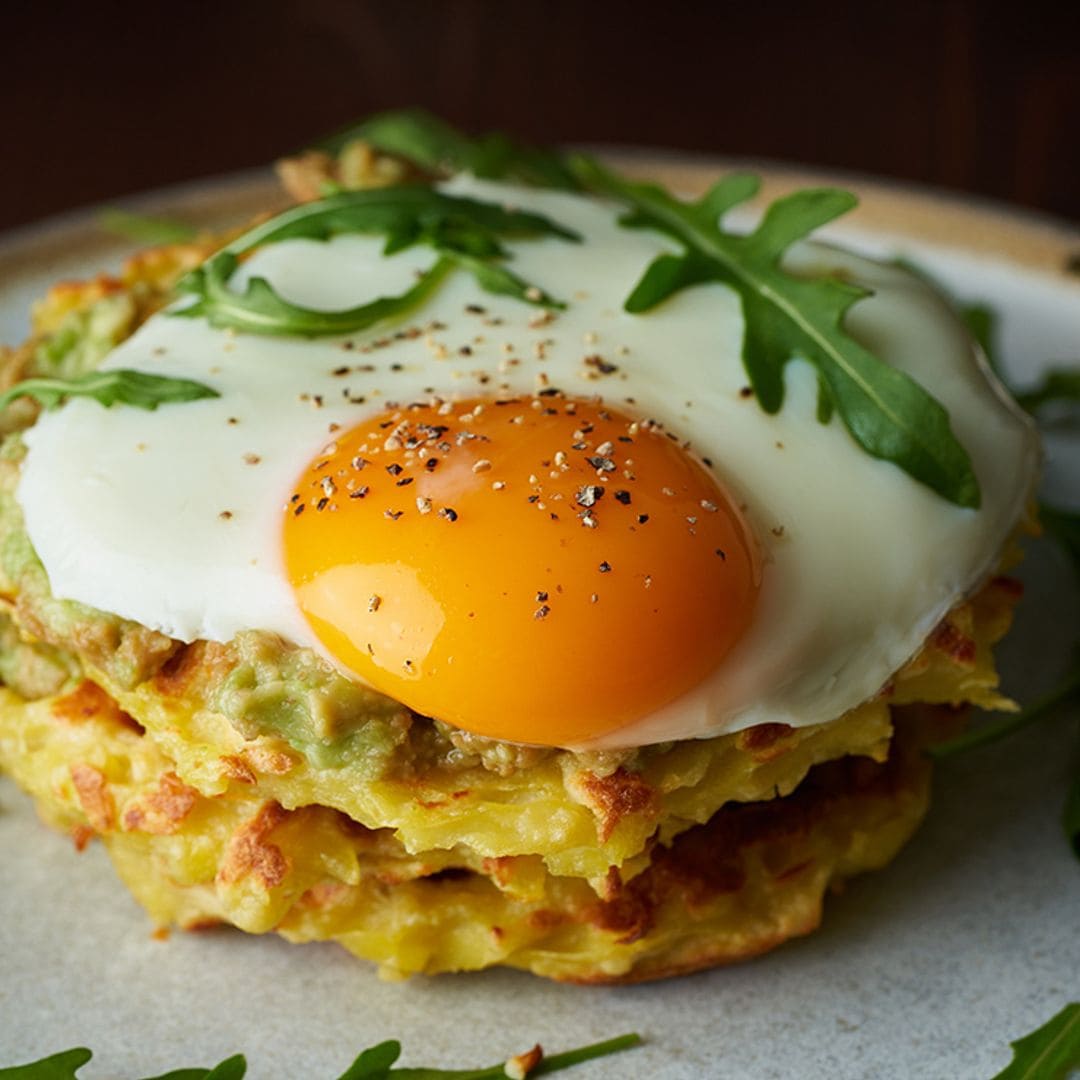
927 968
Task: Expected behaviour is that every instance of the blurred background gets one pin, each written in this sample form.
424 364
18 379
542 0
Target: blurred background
107 98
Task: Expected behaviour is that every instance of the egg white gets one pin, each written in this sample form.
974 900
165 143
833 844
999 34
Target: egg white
173 518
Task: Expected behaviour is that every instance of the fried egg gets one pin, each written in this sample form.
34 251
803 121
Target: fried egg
574 528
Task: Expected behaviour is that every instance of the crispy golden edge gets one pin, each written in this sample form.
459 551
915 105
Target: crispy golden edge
579 819
752 876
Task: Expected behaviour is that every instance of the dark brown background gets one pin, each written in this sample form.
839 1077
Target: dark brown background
102 99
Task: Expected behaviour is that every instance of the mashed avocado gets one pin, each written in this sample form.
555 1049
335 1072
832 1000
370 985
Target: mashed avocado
86 336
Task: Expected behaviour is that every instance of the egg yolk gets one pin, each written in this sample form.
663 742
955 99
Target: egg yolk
541 570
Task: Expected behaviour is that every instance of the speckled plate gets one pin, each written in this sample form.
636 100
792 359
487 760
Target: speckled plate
927 968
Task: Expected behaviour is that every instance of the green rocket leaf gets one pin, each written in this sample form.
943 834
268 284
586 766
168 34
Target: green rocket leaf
888 414
434 146
464 232
119 386
1050 1052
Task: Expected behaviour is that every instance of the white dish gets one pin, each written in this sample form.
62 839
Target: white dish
928 968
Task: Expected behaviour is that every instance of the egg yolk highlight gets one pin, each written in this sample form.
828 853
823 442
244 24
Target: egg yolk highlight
540 570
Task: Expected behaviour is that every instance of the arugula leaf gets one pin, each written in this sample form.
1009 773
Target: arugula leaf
120 385
1050 1052
418 213
261 310
60 1066
374 1063
143 228
464 232
414 134
1058 384
185 1074
232 1068
434 146
887 413
63 1066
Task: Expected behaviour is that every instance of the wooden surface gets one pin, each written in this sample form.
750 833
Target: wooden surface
106 98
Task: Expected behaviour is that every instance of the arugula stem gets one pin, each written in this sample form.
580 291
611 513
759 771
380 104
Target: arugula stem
587 1053
1001 729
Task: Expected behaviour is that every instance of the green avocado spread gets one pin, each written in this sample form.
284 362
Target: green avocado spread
262 684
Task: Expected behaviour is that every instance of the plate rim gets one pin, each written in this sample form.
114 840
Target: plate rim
888 207
55 233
